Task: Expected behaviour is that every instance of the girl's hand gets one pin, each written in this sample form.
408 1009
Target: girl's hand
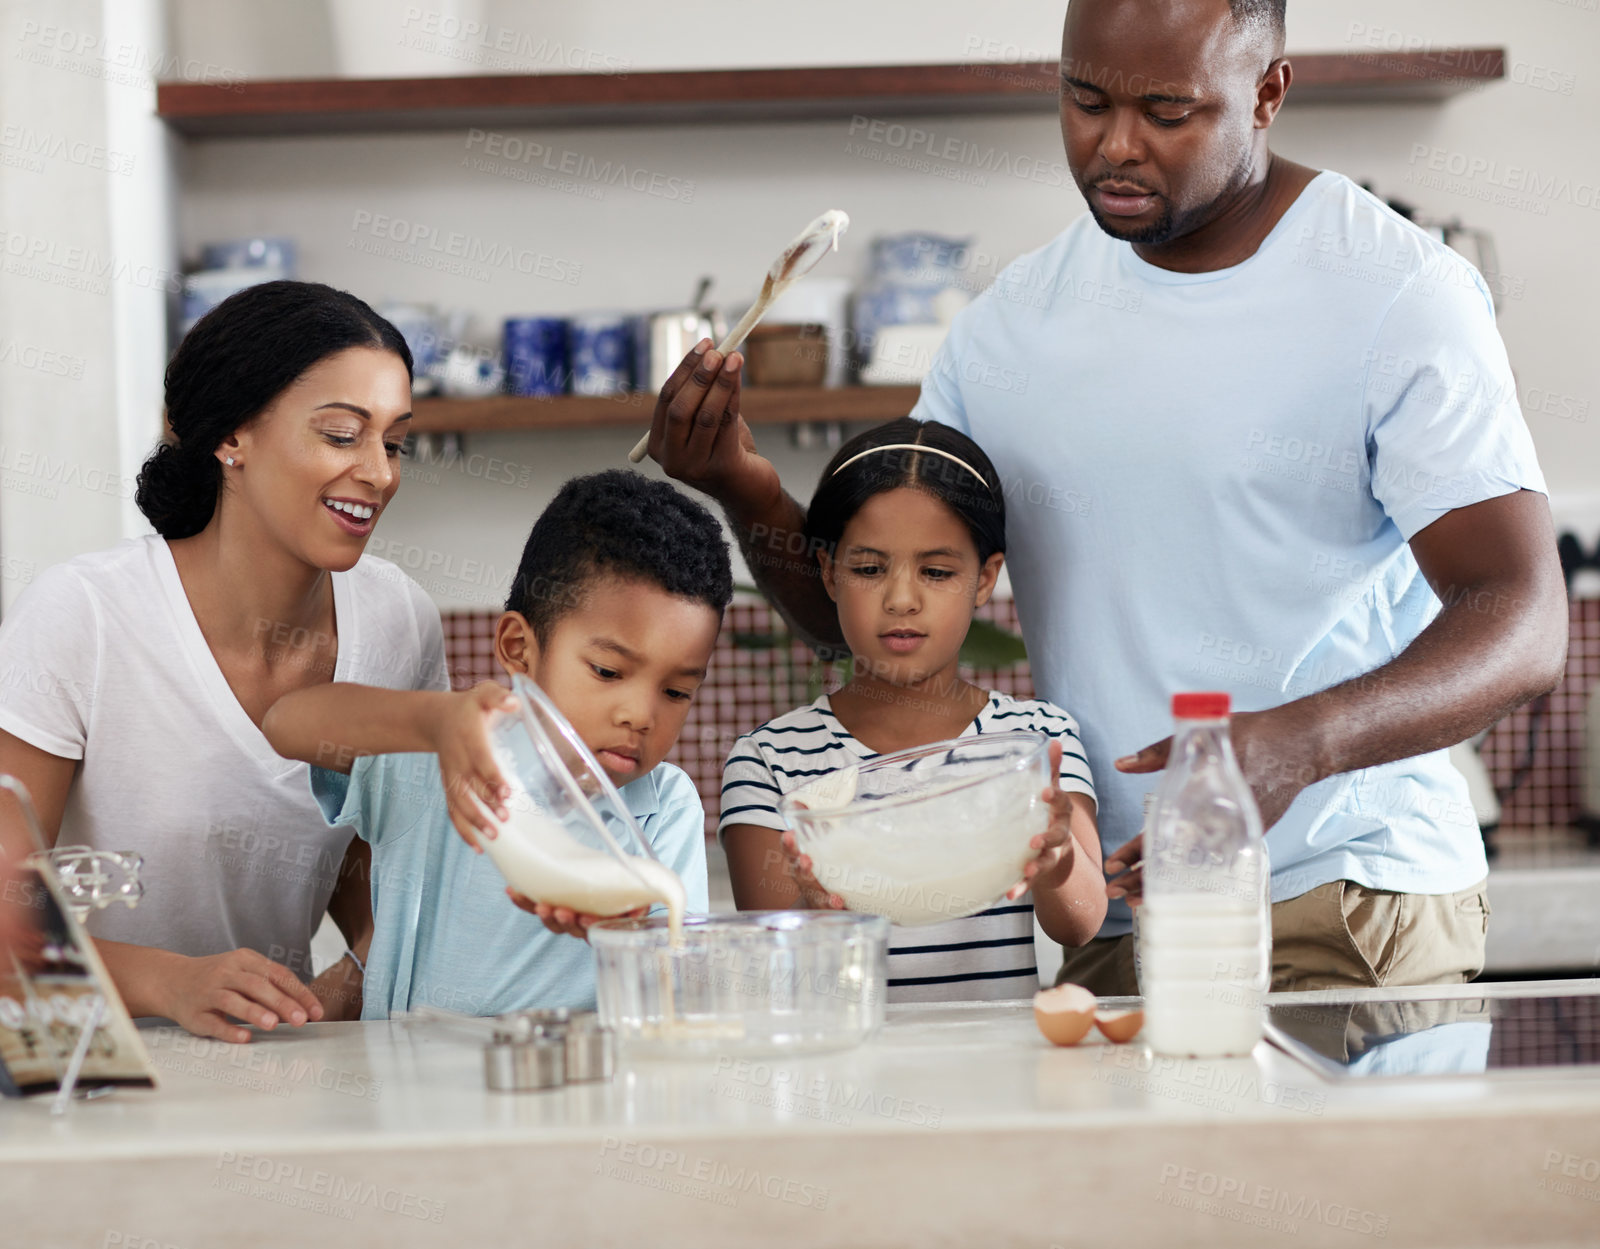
563 920
203 995
800 867
1055 845
460 737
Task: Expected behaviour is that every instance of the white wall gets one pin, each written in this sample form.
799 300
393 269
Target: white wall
753 185
86 255
299 38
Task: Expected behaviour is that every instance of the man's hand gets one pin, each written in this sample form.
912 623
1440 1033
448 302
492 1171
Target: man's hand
1276 752
473 785
1125 872
1277 757
699 438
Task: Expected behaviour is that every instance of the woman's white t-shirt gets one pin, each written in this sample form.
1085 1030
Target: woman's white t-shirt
102 660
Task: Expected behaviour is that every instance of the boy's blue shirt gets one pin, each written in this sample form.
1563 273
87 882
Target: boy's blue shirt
445 933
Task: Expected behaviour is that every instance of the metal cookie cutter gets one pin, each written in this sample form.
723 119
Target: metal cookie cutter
591 1051
522 1057
530 1050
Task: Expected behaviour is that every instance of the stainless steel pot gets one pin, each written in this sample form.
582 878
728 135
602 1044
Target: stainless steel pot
671 336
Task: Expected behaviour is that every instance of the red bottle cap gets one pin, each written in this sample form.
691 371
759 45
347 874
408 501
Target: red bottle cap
1201 706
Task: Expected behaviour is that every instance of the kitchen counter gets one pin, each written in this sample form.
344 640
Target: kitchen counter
956 1125
1542 887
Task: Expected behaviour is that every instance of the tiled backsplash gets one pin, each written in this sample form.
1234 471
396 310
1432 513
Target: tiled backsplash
757 674
1547 1033
1550 795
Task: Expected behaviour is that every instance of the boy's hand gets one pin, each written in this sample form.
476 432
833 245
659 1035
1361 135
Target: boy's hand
1055 845
473 785
811 889
563 920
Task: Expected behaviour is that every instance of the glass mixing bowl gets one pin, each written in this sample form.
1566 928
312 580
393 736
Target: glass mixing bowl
570 839
760 982
929 834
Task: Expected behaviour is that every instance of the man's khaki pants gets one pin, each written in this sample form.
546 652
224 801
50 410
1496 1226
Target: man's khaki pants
1338 935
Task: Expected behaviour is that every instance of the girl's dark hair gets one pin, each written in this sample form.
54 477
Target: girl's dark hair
842 492
236 360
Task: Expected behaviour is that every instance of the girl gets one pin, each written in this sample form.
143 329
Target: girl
909 527
146 669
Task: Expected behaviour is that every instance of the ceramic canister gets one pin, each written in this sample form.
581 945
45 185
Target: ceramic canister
601 347
536 355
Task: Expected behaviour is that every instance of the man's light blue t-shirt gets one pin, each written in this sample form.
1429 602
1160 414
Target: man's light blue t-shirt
1211 480
445 933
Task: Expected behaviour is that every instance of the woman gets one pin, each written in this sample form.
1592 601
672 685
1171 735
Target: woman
148 667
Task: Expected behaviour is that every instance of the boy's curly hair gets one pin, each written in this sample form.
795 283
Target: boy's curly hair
618 524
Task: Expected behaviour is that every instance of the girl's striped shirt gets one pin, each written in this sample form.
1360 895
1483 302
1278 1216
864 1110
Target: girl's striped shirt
988 956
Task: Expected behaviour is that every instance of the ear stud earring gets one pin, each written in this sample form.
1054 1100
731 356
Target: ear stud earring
228 461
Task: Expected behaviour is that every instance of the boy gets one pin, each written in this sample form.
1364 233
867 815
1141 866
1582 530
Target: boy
613 613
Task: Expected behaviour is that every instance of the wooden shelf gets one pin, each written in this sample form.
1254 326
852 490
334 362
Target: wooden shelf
1354 77
769 406
357 105
349 105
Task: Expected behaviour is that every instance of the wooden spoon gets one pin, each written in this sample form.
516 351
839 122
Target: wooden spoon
797 260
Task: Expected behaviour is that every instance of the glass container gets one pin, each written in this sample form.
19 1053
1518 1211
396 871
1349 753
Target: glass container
756 983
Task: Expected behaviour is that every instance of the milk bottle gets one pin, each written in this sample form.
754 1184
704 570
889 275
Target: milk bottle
1204 928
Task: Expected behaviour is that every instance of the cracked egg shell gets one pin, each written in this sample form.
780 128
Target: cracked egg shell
1064 1014
1119 1025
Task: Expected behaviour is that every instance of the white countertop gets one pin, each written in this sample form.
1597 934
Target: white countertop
956 1125
1542 890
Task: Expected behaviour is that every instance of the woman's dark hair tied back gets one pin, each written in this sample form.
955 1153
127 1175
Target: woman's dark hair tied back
229 368
178 490
925 455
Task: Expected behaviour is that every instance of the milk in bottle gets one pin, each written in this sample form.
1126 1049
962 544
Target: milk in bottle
1204 927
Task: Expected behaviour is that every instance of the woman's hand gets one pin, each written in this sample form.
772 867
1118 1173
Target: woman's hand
563 920
473 785
1055 845
801 868
203 995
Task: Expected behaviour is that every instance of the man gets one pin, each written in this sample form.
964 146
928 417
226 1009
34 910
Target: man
1269 443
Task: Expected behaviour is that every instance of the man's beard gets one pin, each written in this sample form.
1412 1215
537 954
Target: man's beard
1161 230
1174 225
